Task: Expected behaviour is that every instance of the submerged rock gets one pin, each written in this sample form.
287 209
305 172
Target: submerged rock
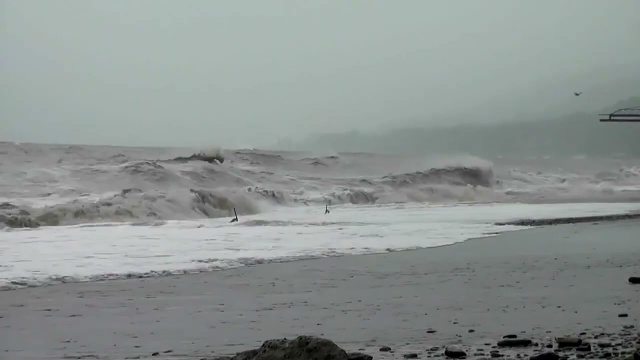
50 218
123 212
201 156
21 222
7 206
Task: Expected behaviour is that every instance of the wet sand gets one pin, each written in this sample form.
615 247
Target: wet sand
538 283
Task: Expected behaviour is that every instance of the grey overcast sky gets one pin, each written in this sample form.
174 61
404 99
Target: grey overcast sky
244 73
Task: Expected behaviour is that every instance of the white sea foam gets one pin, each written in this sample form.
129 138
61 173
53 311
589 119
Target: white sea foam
31 257
113 212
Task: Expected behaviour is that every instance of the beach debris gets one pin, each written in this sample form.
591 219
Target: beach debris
568 342
623 315
454 352
634 279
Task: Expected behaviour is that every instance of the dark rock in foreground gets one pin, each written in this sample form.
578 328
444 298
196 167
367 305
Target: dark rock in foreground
585 346
300 348
634 279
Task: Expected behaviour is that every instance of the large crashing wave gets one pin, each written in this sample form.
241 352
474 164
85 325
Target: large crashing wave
72 185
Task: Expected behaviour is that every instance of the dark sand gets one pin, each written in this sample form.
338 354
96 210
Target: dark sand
538 283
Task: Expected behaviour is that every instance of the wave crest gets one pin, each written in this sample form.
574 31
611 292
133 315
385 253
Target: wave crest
61 185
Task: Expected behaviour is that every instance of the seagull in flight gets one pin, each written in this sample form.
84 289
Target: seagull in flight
577 93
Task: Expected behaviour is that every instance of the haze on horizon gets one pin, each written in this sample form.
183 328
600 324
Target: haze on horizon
248 73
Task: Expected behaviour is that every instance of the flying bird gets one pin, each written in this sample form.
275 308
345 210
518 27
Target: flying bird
577 93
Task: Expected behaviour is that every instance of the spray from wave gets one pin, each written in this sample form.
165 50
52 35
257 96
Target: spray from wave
46 185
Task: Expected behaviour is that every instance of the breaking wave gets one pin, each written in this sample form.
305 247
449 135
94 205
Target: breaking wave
45 185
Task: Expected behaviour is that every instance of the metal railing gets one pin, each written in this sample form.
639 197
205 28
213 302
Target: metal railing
631 114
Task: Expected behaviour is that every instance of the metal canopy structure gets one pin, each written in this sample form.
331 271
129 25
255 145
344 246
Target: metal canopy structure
631 114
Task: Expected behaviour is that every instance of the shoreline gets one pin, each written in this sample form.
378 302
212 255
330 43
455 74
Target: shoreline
526 224
548 281
570 220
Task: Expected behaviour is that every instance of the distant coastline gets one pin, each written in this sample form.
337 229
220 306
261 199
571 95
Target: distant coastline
577 134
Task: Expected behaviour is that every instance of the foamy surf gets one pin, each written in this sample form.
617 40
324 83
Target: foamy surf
53 185
50 255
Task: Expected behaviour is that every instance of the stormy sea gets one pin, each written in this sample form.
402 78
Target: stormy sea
90 213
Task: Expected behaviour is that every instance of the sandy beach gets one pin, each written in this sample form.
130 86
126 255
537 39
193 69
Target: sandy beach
540 283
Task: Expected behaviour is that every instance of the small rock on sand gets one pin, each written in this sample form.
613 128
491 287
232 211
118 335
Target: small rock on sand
359 356
584 347
634 279
454 352
550 355
515 343
568 342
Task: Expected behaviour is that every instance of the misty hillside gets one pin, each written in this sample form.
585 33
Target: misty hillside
580 133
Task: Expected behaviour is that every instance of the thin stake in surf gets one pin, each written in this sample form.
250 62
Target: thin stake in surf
235 219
